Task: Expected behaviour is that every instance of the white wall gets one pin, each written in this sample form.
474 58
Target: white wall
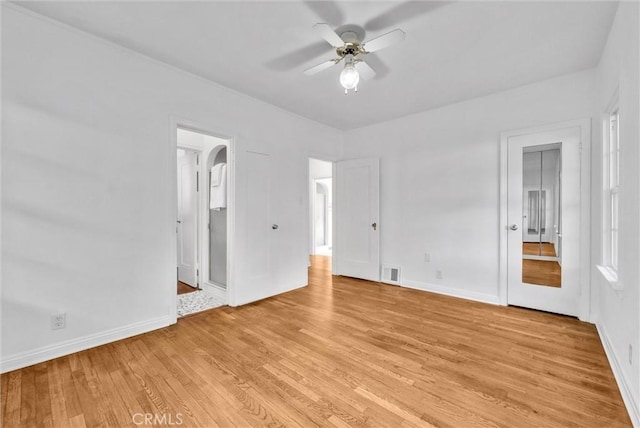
88 215
440 175
618 311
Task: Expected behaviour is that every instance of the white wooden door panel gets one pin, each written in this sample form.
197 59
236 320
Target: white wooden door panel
564 299
187 227
260 235
357 216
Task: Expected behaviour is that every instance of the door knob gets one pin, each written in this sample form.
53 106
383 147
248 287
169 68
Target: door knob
178 221
274 227
513 227
375 226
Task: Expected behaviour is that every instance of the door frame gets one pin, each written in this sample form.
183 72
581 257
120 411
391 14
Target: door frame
175 123
585 312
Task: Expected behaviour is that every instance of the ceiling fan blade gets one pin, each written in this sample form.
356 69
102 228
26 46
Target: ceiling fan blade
381 42
322 66
365 70
326 32
294 59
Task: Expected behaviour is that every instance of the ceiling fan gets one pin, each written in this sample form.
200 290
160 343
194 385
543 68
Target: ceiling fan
351 50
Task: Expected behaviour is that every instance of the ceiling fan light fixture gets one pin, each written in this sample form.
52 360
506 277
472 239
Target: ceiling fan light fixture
349 76
348 48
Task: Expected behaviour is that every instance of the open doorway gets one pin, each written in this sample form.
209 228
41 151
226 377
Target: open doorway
320 207
202 218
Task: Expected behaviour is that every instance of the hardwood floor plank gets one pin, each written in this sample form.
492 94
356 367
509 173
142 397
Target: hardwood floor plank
28 397
44 416
12 398
341 352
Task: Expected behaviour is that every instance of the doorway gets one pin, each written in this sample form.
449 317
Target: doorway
321 207
543 219
204 212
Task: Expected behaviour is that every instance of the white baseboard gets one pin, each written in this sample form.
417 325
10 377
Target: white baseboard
45 353
453 292
623 383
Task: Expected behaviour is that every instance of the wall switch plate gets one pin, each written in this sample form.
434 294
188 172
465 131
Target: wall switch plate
58 321
427 257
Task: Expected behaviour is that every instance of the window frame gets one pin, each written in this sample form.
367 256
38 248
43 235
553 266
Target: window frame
611 193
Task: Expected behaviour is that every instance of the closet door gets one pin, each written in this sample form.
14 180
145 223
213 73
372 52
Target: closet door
357 253
187 227
261 231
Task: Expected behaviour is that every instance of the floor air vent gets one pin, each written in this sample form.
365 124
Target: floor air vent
391 274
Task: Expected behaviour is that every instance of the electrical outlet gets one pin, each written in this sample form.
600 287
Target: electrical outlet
630 354
58 321
427 257
438 274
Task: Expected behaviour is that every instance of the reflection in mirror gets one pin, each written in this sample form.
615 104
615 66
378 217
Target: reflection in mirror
541 215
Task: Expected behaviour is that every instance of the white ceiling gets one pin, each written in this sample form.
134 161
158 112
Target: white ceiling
453 50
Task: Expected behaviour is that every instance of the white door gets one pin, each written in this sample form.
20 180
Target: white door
357 250
262 231
538 276
187 227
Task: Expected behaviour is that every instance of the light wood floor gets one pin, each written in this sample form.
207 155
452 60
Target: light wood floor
341 352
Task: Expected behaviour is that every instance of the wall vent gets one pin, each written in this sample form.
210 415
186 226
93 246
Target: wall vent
391 274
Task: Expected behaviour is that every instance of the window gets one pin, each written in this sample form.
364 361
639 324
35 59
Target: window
613 189
611 193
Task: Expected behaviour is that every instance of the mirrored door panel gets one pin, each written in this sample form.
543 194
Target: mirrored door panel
541 216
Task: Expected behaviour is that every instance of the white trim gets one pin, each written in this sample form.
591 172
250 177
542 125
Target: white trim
45 353
623 384
543 258
173 239
585 312
611 276
453 292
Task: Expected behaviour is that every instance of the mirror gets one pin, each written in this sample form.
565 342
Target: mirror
541 215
